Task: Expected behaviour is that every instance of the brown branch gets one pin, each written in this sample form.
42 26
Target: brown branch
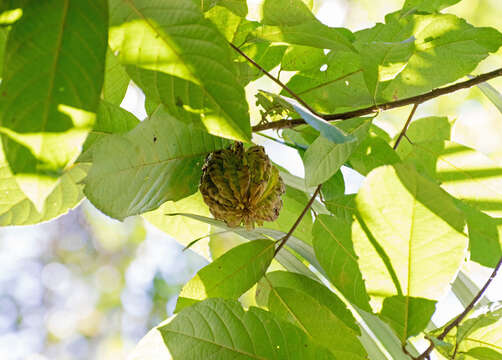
464 313
419 99
405 127
274 79
297 222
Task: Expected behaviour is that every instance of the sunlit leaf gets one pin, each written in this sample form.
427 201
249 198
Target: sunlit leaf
325 328
110 119
175 39
159 160
229 276
50 94
302 283
222 327
335 252
406 224
324 158
291 21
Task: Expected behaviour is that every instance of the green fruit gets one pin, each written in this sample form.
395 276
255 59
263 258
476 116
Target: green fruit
241 186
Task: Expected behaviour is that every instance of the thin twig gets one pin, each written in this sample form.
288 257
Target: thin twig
297 222
464 313
419 99
274 79
405 127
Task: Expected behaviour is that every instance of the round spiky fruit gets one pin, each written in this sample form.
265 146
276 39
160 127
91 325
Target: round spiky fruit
241 186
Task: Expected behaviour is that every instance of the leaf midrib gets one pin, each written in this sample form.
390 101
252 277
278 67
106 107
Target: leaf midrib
234 125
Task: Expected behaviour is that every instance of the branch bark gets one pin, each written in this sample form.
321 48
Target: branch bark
464 313
405 127
419 99
285 239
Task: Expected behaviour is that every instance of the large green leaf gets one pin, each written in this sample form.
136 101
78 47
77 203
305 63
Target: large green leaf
406 224
17 209
480 337
324 328
51 83
427 5
159 160
110 119
181 228
445 49
291 21
116 79
175 39
221 329
229 276
463 172
335 252
324 158
407 316
336 86
302 283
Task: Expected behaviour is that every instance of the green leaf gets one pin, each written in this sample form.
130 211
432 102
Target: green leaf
221 328
373 152
492 94
465 290
430 6
285 258
335 252
324 328
238 7
230 275
406 225
294 201
110 119
343 207
291 21
337 86
181 228
395 312
485 330
45 113
334 187
4 32
485 236
386 338
308 286
465 173
302 58
268 56
175 39
324 158
116 79
483 353
446 49
17 209
159 160
329 131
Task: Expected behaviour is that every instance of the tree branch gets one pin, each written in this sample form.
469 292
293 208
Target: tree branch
464 313
297 222
405 127
274 79
419 99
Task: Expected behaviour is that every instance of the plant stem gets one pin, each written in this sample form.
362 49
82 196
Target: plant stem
274 79
297 222
419 99
405 127
464 313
